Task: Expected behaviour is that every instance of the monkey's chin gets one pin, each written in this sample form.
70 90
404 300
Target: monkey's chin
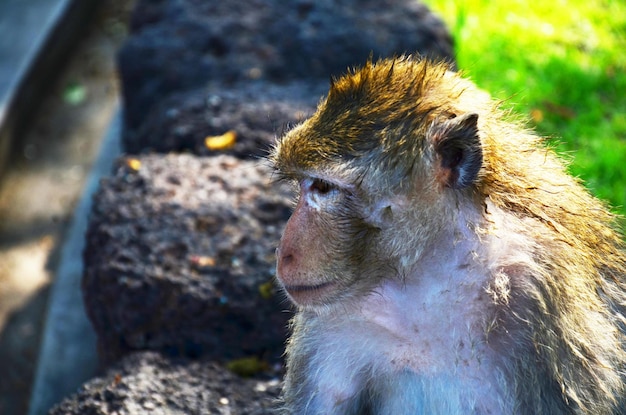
310 295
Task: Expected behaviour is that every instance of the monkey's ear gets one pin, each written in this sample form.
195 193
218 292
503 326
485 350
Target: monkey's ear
459 154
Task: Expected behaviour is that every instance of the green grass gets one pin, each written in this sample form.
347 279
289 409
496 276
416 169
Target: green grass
560 63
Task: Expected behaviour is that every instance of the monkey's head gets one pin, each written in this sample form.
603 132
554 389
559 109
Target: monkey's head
389 152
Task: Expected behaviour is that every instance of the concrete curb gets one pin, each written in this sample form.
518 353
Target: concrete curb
67 357
36 36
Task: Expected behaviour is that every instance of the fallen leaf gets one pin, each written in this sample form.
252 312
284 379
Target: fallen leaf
133 164
266 290
247 366
221 142
74 93
202 261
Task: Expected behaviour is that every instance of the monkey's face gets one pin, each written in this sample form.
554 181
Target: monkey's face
376 166
326 244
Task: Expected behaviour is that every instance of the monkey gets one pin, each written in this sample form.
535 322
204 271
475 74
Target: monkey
441 258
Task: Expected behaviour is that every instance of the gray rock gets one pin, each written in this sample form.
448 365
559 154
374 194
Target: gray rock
149 383
183 45
257 112
179 255
179 258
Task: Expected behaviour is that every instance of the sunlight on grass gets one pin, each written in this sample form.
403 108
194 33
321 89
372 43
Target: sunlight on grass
560 63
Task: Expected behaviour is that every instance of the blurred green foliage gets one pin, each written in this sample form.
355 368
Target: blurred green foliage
562 64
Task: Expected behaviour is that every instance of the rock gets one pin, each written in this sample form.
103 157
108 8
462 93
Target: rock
150 383
179 258
185 45
257 112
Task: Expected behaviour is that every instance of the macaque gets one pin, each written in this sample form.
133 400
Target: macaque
441 259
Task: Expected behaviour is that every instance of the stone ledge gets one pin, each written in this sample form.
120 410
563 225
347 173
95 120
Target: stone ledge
150 383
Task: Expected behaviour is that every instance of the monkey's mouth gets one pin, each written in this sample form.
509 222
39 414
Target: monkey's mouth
308 294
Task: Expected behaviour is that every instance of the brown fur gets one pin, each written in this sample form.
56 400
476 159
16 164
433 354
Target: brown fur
559 326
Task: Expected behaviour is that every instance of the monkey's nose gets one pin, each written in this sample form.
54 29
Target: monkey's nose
284 262
286 259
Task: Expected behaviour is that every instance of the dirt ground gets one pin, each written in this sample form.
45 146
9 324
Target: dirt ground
41 187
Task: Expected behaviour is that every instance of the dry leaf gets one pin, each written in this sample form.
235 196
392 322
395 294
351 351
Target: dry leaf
221 142
202 261
247 366
266 290
133 164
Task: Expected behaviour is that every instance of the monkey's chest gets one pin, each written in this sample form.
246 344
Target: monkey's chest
439 375
421 329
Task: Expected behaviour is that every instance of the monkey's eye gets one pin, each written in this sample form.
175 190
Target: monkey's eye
320 186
